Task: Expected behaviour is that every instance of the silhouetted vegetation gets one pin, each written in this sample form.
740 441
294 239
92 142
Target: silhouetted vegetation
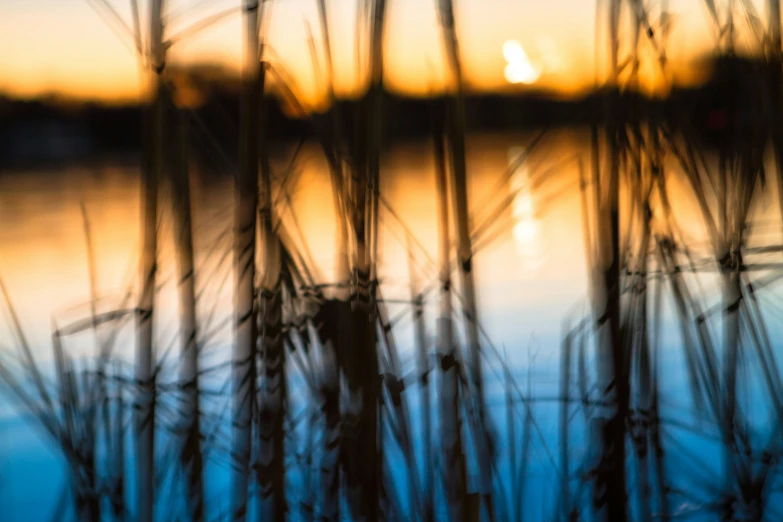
370 438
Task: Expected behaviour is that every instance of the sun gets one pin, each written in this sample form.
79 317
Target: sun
519 69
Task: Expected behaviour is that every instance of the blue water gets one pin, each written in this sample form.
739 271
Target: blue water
523 301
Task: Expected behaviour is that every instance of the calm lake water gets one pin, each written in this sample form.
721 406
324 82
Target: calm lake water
530 266
530 270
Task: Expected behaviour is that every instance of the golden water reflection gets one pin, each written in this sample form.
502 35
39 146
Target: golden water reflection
530 267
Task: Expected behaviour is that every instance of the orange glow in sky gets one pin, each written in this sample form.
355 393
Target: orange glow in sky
63 47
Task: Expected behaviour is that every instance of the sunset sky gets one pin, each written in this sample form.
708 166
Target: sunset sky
63 47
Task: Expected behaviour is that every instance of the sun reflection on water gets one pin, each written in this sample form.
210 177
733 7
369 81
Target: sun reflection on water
526 226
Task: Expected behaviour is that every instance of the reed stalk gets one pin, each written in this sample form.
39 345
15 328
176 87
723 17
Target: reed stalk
640 341
117 493
456 143
153 172
95 388
454 466
329 391
522 467
398 413
359 361
423 362
610 491
656 436
775 75
515 508
244 264
272 393
85 506
191 455
565 381
332 310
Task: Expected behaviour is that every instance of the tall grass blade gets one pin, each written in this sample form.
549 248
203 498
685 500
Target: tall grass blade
191 454
244 264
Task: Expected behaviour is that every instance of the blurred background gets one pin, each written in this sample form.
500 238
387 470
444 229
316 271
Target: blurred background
390 260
